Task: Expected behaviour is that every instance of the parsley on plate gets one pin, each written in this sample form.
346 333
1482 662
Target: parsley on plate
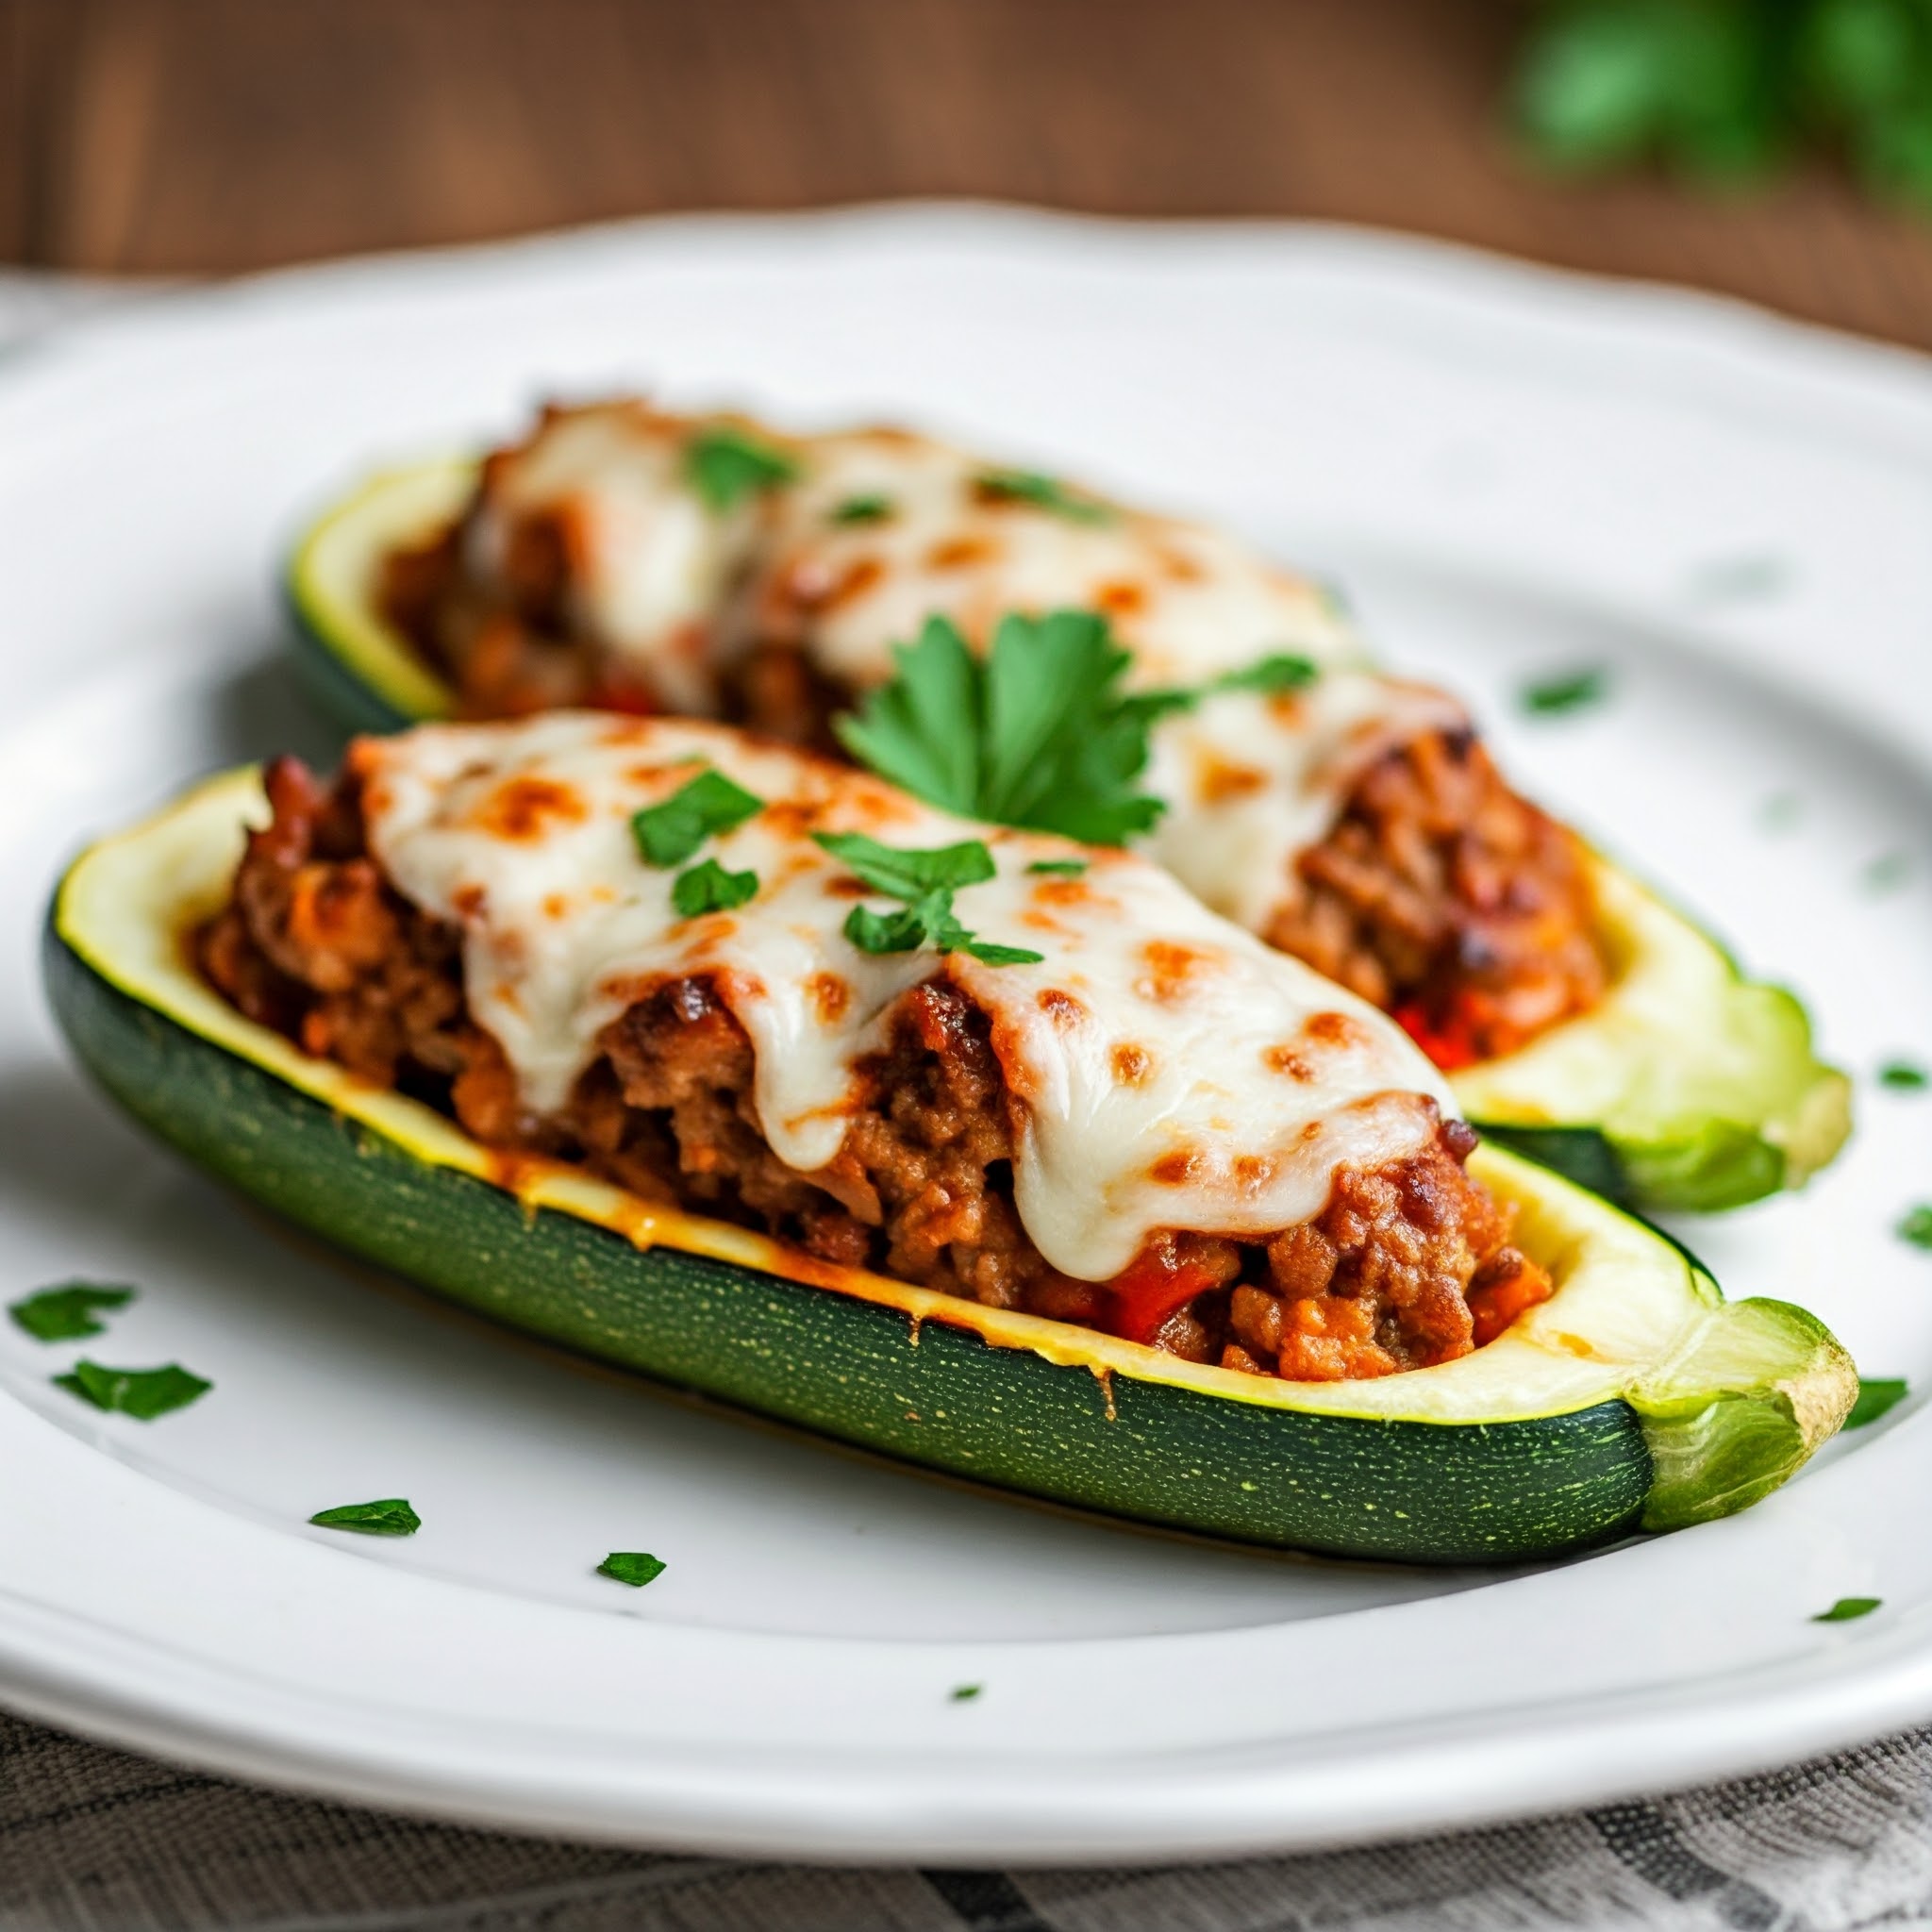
67 1312
143 1393
1847 1607
386 1516
670 833
632 1567
1576 691
1876 1397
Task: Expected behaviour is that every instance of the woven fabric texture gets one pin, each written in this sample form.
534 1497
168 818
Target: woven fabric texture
96 1841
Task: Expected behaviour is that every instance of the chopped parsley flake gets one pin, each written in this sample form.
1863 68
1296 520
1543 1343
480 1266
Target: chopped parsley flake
1876 1397
632 1567
1059 867
1847 1607
1042 493
386 1516
143 1393
668 834
965 1694
709 887
67 1313
725 465
925 882
1284 670
862 510
1917 1228
1574 690
1903 1076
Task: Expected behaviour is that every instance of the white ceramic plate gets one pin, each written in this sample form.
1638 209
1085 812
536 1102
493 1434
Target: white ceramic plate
1512 474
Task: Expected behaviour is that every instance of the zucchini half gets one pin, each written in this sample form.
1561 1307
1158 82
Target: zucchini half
1689 1088
1636 1397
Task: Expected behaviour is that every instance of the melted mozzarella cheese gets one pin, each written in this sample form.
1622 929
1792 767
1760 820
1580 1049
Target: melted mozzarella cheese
1250 781
1168 1069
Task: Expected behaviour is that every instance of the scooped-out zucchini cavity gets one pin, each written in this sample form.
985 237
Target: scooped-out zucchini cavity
1634 1398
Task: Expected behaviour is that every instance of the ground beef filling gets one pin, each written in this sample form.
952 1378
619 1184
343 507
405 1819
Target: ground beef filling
1440 895
1405 1266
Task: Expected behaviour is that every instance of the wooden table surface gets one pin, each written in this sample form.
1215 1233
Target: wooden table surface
219 135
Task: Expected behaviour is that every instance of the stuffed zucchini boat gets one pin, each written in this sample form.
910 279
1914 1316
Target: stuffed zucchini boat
1038 1173
650 563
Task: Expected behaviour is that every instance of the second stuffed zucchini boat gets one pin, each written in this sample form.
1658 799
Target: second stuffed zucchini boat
968 1144
963 630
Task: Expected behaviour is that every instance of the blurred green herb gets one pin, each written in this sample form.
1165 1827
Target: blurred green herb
1725 90
1042 493
1876 1397
1848 1608
1903 1076
67 1313
863 509
725 465
1917 1226
1574 691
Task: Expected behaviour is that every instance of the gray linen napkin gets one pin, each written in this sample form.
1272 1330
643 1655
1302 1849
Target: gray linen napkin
98 1841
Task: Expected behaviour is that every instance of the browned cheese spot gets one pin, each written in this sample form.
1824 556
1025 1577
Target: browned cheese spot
1132 1064
1172 968
1222 779
960 553
1121 598
1178 1169
1061 1008
556 905
525 807
1284 1059
830 997
1335 1029
1253 1172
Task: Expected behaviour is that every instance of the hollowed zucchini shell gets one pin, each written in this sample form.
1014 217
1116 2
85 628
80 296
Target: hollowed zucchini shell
1636 1397
1690 1086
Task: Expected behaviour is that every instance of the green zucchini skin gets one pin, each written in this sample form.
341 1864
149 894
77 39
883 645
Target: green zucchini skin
1420 1492
330 681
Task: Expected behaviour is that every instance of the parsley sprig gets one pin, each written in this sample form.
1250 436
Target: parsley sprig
924 883
1038 733
725 465
670 833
